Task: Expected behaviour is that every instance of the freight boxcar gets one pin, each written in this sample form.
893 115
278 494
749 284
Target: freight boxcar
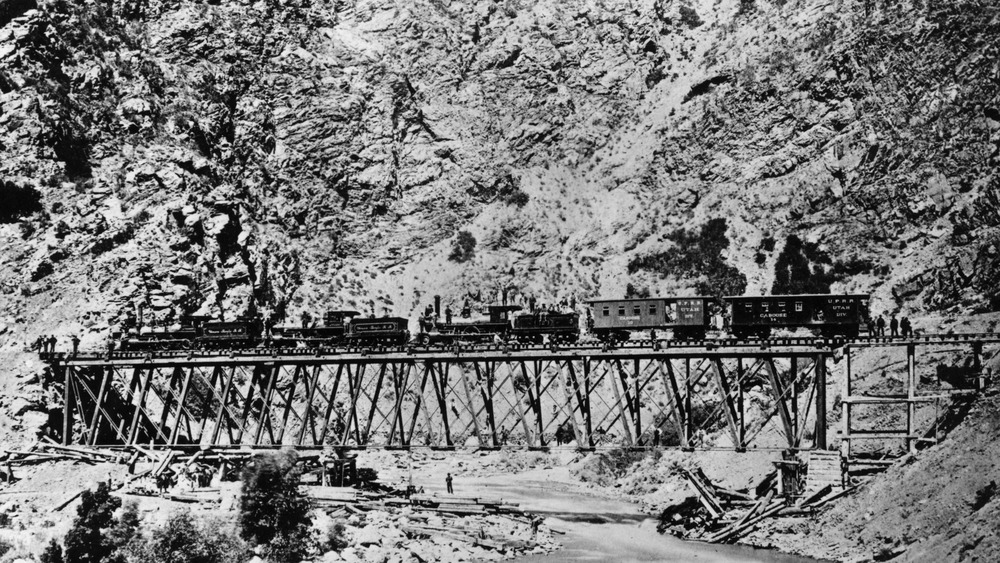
828 315
615 319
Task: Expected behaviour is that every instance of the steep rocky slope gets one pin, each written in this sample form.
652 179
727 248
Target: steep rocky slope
175 155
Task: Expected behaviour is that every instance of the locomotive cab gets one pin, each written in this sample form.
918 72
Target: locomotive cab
495 324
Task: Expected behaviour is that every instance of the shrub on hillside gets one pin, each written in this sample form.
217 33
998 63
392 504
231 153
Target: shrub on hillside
689 17
464 248
182 539
273 512
53 553
697 253
87 541
18 201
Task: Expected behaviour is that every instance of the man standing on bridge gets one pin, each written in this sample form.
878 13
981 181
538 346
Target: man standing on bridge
905 328
880 324
894 327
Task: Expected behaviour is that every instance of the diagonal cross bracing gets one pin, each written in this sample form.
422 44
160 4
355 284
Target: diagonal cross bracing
531 398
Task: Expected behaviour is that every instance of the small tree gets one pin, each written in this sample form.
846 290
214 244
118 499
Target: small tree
87 541
273 512
464 248
53 552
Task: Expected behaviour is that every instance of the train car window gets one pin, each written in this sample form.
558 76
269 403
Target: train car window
764 306
636 310
621 310
606 312
798 306
748 306
652 310
781 304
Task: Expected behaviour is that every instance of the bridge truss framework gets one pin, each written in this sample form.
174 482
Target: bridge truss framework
731 395
530 398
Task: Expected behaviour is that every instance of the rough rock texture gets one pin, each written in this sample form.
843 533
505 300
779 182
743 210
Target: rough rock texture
303 155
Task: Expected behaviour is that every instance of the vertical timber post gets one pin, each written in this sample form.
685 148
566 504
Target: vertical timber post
740 405
845 438
67 405
911 396
820 440
689 423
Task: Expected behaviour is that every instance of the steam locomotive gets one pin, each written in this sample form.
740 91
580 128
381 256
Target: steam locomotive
339 328
686 318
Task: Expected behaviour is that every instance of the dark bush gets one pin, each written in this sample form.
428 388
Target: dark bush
18 201
697 254
640 293
464 248
516 198
336 536
87 542
273 513
183 540
802 268
689 17
53 552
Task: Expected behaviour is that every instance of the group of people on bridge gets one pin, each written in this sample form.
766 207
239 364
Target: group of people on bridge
898 328
47 344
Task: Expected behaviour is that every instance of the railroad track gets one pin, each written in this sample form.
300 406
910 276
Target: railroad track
582 347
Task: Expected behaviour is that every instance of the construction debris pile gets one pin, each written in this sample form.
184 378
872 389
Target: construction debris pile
719 515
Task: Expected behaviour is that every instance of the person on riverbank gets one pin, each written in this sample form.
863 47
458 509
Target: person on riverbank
448 481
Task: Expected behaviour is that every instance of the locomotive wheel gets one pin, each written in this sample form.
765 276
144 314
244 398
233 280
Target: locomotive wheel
424 339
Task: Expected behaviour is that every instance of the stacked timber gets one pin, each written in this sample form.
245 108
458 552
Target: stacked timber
721 515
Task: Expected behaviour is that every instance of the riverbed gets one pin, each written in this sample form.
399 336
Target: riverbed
596 528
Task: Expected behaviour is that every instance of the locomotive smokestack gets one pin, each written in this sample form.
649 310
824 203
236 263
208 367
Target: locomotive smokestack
437 305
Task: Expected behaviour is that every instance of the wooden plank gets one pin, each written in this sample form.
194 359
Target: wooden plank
729 534
99 406
673 392
705 495
727 399
299 371
475 418
180 407
779 397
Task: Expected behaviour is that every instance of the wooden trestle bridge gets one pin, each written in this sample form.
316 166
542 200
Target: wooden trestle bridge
721 394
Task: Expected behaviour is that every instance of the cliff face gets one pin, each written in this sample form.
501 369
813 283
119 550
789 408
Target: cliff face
304 155
310 155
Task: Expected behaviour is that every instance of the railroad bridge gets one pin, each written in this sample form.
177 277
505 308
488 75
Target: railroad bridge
692 395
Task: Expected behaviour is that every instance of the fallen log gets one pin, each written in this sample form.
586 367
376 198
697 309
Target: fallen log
705 495
735 494
67 502
735 531
830 498
815 496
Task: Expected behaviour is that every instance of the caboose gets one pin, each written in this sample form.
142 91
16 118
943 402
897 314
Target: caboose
828 315
615 319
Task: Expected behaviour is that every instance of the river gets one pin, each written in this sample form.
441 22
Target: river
601 529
